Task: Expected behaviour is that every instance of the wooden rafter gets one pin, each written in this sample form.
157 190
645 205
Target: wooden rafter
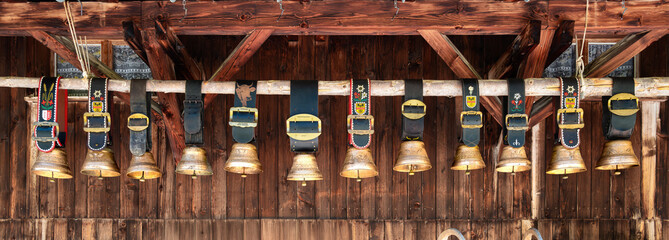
133 37
239 56
621 52
238 17
460 66
163 68
520 49
183 62
562 40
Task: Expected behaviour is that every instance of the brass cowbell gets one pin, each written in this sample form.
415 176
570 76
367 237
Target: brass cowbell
617 155
358 164
467 159
304 169
243 160
513 160
566 161
143 167
194 162
413 158
52 165
100 163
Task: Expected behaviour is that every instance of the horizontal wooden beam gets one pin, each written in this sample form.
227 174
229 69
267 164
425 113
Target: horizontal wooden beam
238 17
653 87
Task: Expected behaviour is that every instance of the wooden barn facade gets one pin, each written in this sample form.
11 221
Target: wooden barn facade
336 41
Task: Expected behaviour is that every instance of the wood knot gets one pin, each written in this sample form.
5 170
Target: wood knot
304 23
244 16
416 204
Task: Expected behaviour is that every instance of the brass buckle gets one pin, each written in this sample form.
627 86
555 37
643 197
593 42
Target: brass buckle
467 113
243 110
413 103
46 124
96 114
304 117
573 125
138 116
349 120
623 97
517 115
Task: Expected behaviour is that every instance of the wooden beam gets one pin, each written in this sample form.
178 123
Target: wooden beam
239 56
460 66
542 109
133 37
650 115
563 37
183 62
623 51
163 68
239 17
520 49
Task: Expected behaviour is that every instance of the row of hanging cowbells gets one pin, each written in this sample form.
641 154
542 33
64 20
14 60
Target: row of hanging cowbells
303 128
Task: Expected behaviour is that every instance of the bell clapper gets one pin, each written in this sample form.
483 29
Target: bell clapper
100 175
467 172
616 172
513 171
304 183
52 179
358 179
411 173
194 176
142 178
243 172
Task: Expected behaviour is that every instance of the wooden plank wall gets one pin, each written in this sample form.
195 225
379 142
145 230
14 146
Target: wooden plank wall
393 204
325 229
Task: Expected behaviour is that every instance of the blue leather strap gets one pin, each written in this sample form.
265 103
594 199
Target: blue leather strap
243 116
97 119
516 121
360 122
139 121
304 100
50 130
471 118
192 113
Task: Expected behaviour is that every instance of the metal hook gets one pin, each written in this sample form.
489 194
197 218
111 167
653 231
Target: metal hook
81 8
397 9
280 7
183 3
624 9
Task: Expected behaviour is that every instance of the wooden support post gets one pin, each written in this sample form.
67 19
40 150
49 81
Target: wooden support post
650 114
538 158
182 60
623 51
163 68
460 66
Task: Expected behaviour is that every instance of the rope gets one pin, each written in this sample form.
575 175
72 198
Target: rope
580 65
82 53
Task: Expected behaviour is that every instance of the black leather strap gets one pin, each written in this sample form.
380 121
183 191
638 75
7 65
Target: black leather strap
244 114
50 130
139 121
570 115
413 110
471 117
97 119
193 112
360 121
304 116
516 120
617 126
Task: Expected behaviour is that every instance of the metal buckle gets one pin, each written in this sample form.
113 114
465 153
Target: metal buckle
476 113
349 120
138 116
573 125
233 110
414 103
96 114
624 97
304 117
517 115
46 124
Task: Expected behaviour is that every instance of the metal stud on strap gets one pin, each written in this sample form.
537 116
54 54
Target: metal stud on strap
304 117
413 103
624 97
234 110
570 125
